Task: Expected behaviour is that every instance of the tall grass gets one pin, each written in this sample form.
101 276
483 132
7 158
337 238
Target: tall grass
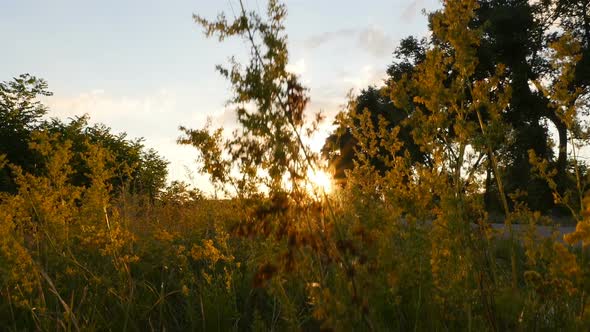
78 258
406 249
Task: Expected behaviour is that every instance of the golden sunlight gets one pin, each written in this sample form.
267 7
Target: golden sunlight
319 181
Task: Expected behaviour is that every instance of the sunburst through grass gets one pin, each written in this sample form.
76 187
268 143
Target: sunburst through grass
319 182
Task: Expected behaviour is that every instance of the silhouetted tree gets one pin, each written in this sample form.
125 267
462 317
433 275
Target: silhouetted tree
20 113
339 148
138 170
517 35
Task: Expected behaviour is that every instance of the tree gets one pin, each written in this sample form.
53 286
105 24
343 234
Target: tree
21 116
574 16
515 34
340 146
137 170
269 102
455 117
20 113
151 174
513 37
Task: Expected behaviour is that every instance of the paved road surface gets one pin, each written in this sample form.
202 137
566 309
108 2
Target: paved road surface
544 231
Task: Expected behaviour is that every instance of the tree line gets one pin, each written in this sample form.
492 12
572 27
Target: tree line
520 36
23 117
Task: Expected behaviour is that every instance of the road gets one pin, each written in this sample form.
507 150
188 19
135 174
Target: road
544 231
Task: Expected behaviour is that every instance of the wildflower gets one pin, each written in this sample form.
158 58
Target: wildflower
185 290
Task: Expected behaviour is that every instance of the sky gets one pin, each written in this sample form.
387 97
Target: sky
144 67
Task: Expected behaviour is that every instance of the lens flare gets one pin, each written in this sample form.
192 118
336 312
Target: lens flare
320 181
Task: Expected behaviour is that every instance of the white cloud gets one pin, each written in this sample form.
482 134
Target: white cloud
297 68
328 36
155 117
371 39
107 109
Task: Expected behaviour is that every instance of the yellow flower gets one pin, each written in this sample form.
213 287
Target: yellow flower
185 290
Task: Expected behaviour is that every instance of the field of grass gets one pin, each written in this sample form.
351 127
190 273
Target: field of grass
84 259
91 241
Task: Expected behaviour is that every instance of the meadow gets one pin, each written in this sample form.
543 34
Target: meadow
92 238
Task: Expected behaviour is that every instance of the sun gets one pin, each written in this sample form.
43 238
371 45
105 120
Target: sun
320 181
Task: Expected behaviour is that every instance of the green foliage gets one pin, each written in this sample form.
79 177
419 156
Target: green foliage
341 147
21 118
517 35
269 103
71 254
138 169
20 113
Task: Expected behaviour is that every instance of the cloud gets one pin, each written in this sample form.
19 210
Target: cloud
412 10
297 68
373 40
226 118
154 116
331 98
369 75
105 108
318 40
